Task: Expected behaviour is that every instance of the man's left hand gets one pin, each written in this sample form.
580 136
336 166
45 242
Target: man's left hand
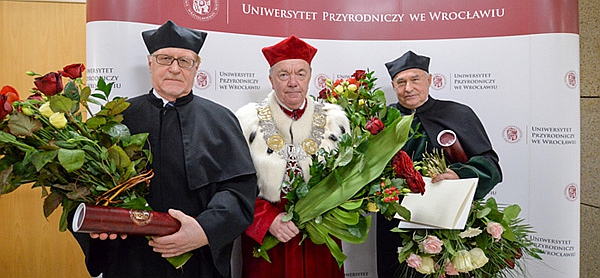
449 175
189 237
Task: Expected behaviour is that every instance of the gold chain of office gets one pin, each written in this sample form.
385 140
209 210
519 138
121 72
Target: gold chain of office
275 141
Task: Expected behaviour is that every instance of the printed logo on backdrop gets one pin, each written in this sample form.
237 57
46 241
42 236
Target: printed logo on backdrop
483 81
512 134
571 79
321 81
571 192
202 10
202 79
438 81
553 135
237 81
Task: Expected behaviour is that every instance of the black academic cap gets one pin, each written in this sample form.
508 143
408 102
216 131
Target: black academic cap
408 60
171 35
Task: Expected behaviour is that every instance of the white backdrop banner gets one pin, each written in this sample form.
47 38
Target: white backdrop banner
515 62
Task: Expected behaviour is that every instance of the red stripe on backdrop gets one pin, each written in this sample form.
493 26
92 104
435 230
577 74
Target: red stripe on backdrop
355 20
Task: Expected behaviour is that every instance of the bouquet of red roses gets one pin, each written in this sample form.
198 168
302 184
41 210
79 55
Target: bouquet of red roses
77 157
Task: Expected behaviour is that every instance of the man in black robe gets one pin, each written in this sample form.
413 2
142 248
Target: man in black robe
411 80
204 176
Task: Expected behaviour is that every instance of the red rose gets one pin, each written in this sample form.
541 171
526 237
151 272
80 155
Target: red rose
402 164
73 70
359 74
36 96
10 92
416 183
49 84
351 80
323 93
404 169
5 106
337 82
8 95
374 126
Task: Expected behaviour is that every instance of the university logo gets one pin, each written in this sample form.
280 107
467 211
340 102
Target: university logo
512 134
321 81
202 79
438 81
571 79
571 192
202 10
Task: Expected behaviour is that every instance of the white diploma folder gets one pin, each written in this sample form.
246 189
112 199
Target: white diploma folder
445 205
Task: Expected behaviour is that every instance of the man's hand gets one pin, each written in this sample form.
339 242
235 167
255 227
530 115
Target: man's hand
449 175
189 237
104 236
283 231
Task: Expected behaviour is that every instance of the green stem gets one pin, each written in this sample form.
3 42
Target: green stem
79 127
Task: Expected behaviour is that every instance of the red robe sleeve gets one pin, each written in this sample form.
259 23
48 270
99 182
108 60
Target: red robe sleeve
264 214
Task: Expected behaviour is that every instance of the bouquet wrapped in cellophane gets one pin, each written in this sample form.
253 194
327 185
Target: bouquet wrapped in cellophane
53 140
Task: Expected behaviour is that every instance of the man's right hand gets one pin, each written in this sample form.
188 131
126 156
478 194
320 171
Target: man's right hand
283 231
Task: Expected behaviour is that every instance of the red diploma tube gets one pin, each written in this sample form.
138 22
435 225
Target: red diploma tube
99 219
451 146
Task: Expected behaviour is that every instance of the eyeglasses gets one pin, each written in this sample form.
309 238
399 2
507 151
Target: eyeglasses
167 60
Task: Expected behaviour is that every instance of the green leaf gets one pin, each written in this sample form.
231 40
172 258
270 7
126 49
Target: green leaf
118 157
95 122
71 160
116 106
345 156
351 205
85 94
71 91
510 213
63 104
138 139
116 131
104 88
41 158
401 210
179 261
483 212
51 203
389 141
21 125
346 217
335 250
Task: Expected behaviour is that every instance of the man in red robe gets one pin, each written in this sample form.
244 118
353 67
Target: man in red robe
283 133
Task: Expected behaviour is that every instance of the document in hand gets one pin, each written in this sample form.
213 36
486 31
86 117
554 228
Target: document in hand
445 205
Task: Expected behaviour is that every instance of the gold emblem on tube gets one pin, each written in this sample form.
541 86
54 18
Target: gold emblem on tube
140 217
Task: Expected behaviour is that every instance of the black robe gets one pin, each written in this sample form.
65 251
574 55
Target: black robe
202 167
431 118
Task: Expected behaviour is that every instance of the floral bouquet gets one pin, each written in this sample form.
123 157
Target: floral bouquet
491 244
367 173
44 140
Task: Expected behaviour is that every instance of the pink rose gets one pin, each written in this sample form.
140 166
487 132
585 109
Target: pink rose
450 270
413 261
494 229
431 245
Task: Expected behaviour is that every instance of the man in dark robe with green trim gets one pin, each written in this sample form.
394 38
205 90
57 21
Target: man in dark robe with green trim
411 81
204 175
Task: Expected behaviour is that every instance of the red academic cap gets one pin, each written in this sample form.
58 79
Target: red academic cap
290 48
